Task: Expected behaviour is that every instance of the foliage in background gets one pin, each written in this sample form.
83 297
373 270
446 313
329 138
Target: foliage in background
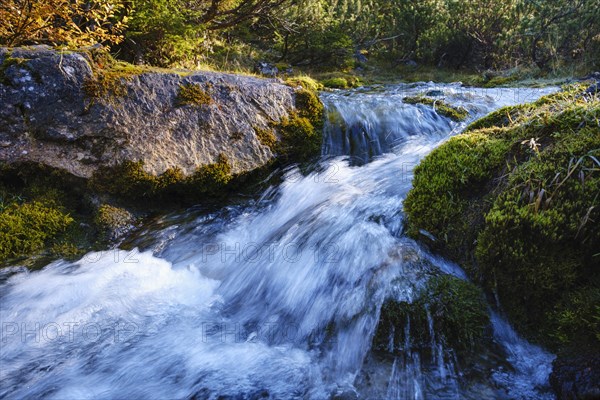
70 23
182 32
331 34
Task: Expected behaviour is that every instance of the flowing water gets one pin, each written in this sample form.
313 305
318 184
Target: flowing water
277 297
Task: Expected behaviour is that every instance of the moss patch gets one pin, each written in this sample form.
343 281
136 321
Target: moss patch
306 82
6 64
300 141
267 138
110 78
310 107
439 106
30 193
130 182
515 200
340 80
336 83
457 309
193 94
28 227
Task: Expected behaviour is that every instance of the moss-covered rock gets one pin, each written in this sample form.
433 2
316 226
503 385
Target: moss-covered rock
126 113
514 200
299 139
456 309
113 222
440 106
266 137
310 107
129 181
336 83
340 80
35 197
7 63
305 82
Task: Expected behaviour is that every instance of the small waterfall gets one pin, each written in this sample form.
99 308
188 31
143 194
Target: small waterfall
277 298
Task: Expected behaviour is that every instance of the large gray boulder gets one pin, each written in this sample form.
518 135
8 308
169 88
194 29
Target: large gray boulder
54 110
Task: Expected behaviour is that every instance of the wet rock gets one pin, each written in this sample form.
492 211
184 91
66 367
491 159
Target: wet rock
434 93
360 57
266 69
576 377
114 222
593 89
593 75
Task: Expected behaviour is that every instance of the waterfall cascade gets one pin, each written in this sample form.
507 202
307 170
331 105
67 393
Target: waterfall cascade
274 298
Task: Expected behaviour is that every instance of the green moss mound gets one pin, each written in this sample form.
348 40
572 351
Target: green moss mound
515 200
193 94
339 80
457 310
306 82
336 83
300 133
441 107
310 107
37 197
27 228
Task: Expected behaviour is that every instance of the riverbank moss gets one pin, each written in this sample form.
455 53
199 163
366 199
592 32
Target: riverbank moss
336 83
300 140
44 212
439 106
28 227
310 107
112 222
515 200
455 308
129 181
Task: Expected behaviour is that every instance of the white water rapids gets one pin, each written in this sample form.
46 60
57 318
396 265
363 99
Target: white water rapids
274 298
